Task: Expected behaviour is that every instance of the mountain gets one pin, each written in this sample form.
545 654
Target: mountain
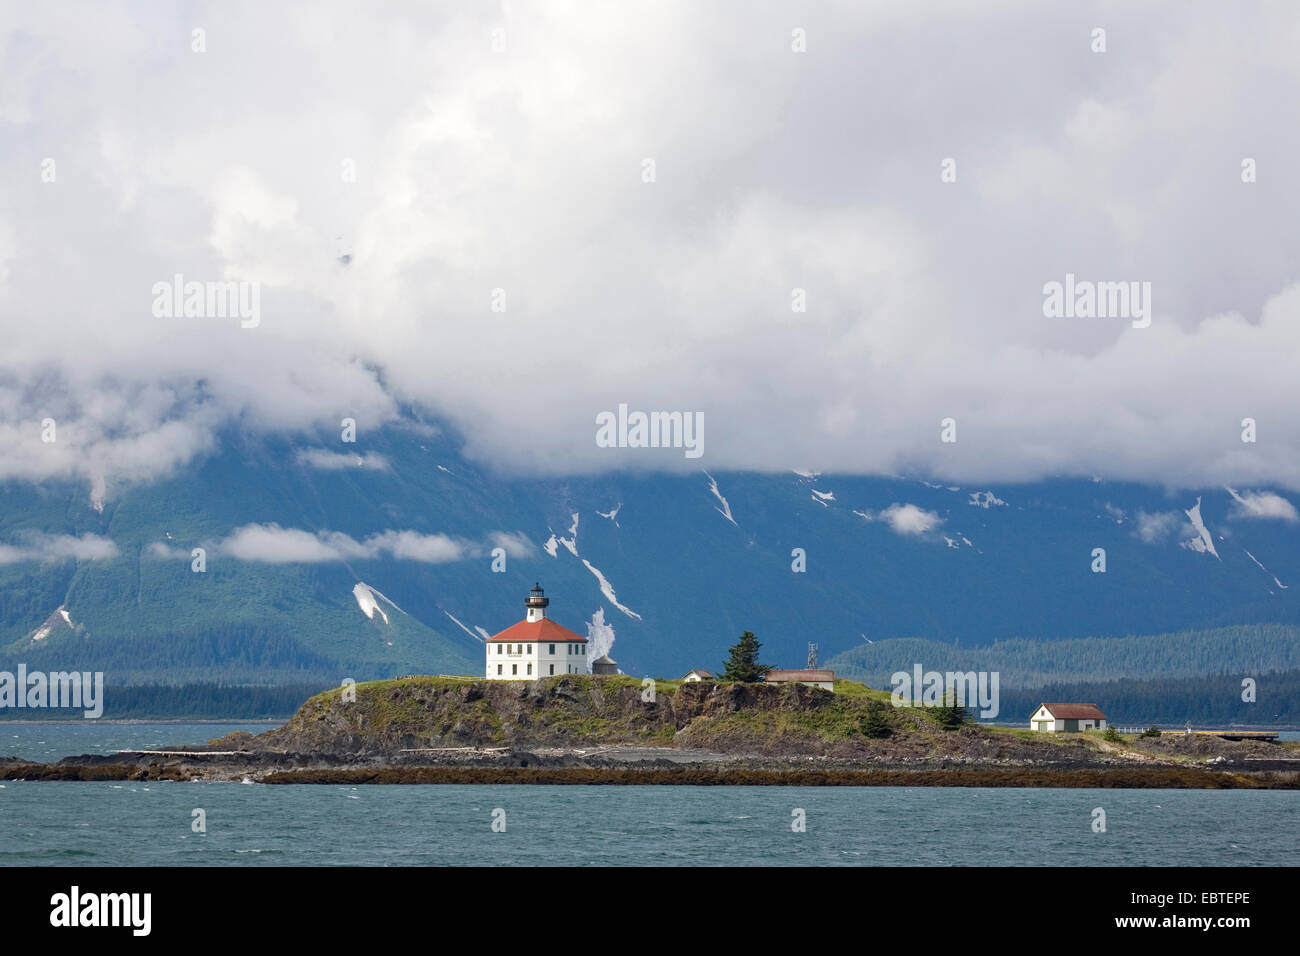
1251 650
399 554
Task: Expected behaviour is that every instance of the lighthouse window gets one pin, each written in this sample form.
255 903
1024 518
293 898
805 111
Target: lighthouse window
514 668
498 668
552 651
552 666
530 648
530 668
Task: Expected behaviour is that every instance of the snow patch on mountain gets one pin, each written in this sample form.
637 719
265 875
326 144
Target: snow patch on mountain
608 590
98 490
725 510
462 626
821 497
986 500
1202 543
600 636
552 545
59 618
807 474
571 542
368 600
1265 570
612 515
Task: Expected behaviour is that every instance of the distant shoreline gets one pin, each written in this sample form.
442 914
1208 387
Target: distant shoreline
135 721
1162 725
154 770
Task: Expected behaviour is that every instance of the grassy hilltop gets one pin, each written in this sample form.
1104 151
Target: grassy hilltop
585 712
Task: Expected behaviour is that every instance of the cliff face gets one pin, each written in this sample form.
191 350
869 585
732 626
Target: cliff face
586 712
567 711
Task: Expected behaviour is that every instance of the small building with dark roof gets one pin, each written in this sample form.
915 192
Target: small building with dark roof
825 679
604 665
1067 718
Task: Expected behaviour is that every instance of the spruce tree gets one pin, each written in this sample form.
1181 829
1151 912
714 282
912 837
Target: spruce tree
874 722
743 666
950 715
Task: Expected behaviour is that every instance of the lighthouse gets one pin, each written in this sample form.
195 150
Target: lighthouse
536 646
536 604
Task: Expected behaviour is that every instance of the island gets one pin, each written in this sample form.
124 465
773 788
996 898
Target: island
614 729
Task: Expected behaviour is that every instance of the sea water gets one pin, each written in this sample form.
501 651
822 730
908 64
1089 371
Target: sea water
126 823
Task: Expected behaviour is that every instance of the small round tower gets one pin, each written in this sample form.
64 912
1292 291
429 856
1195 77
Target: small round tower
536 603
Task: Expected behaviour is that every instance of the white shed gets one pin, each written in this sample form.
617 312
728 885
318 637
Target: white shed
1067 718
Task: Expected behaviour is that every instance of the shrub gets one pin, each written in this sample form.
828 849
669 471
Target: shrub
874 723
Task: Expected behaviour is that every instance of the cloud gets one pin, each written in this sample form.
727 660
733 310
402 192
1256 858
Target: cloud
324 460
924 298
272 544
413 546
1152 528
57 547
1263 504
910 519
516 544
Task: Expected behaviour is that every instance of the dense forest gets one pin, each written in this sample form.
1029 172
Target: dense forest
252 653
195 701
1171 702
1244 651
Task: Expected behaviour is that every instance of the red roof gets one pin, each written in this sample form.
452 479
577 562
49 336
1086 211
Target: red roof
814 675
1075 711
538 632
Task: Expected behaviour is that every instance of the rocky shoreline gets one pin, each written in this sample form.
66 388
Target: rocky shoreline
648 766
583 729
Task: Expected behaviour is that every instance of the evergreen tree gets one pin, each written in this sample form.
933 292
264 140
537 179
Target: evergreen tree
950 715
743 665
874 723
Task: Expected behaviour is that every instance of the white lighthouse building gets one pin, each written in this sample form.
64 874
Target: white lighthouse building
536 646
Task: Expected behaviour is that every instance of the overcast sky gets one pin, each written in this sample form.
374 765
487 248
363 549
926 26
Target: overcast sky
523 169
